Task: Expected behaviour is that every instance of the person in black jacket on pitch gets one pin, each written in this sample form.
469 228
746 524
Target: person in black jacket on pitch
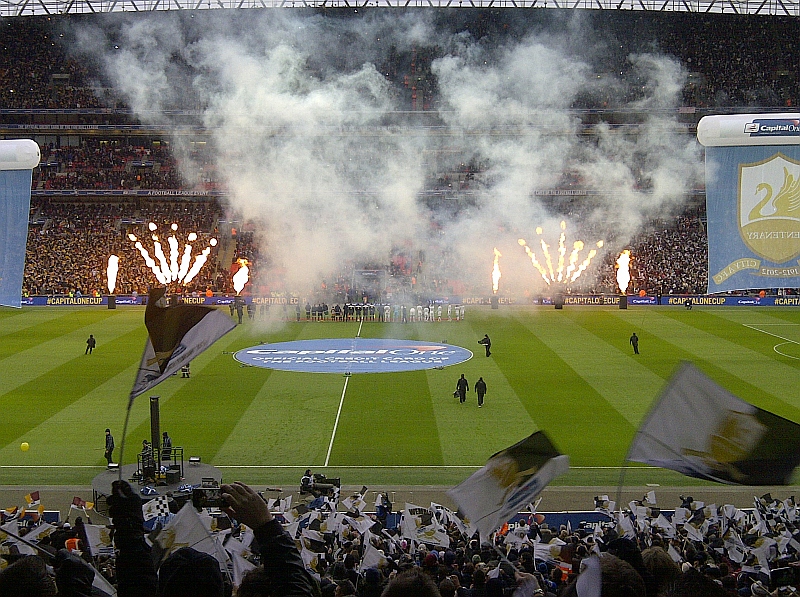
462 387
487 344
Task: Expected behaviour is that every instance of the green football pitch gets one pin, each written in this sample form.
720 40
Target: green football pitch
569 372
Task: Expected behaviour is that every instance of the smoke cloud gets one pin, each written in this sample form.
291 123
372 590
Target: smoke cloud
317 145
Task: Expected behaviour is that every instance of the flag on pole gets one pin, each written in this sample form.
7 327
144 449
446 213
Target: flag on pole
176 335
698 428
419 524
156 507
32 498
510 480
373 557
188 529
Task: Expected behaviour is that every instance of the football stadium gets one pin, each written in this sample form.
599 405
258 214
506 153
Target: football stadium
380 299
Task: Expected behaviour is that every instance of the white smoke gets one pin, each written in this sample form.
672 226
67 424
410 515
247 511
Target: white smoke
308 139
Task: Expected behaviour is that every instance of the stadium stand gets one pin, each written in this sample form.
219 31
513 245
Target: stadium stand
734 63
720 549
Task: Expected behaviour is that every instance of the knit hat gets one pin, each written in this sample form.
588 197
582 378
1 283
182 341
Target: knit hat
476 558
430 561
190 573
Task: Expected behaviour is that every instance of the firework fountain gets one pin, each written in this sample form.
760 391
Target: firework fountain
567 270
177 267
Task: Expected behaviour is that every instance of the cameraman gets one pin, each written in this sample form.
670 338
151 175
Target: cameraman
307 483
316 485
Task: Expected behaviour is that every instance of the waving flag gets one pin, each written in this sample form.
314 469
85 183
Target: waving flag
701 430
509 481
177 334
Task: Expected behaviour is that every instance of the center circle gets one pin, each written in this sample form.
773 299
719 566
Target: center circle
353 355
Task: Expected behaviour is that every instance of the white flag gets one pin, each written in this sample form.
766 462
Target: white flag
698 428
510 480
176 335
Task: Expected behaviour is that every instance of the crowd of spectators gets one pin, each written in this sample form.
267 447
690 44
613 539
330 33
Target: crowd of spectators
69 243
327 546
36 70
735 60
112 164
669 257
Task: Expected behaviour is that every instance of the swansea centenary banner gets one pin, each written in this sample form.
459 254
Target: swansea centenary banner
753 203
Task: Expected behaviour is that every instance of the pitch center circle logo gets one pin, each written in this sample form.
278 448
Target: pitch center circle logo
353 355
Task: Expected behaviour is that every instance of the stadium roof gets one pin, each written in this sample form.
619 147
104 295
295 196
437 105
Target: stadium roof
16 8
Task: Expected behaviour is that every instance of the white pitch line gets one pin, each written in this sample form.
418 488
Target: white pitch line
299 466
52 466
341 403
336 424
753 327
410 466
775 348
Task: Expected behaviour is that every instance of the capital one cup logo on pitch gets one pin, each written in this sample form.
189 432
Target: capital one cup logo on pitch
353 355
769 207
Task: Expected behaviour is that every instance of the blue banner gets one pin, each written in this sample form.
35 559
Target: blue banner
569 300
753 205
353 355
15 204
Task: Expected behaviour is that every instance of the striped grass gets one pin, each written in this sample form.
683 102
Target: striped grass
570 372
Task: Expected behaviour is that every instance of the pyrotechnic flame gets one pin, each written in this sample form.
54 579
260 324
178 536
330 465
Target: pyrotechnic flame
577 247
178 268
111 273
583 265
547 260
199 262
562 250
173 256
624 270
535 263
241 277
162 259
563 275
496 270
151 263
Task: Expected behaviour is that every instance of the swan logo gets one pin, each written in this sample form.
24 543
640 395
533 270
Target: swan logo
769 207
